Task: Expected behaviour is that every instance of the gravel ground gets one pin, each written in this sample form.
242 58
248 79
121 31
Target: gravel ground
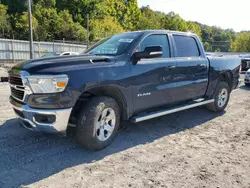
194 148
3 72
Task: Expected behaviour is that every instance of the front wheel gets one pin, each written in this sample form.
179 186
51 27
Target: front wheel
221 97
97 123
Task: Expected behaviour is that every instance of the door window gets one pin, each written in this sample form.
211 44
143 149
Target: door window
156 40
186 46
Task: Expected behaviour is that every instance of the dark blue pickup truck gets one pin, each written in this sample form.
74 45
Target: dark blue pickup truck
131 76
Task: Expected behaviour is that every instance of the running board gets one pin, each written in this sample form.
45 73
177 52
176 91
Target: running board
169 111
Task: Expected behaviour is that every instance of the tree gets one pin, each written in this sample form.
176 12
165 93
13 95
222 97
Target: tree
81 8
45 3
65 27
126 12
101 28
174 22
131 16
22 26
207 47
194 28
46 14
15 6
242 43
149 20
217 38
4 24
57 19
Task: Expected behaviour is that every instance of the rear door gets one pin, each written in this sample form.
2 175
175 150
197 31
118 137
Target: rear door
153 83
191 68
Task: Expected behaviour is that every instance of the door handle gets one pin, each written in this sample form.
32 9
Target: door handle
202 65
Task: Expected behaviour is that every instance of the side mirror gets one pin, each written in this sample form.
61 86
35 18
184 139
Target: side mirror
149 52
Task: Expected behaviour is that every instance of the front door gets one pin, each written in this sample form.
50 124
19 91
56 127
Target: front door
153 83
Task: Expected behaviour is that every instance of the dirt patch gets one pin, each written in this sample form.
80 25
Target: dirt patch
194 148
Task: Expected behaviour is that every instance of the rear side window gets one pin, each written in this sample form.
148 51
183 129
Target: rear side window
157 40
186 46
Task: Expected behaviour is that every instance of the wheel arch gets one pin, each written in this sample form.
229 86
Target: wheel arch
227 77
109 91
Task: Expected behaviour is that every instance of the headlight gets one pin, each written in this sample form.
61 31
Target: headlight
48 84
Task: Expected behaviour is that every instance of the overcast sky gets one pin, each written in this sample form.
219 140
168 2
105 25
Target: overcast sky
224 13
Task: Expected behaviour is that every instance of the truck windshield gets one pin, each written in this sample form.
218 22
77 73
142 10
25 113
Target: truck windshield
115 45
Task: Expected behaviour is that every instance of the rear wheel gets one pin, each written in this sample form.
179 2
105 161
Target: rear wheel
221 97
98 122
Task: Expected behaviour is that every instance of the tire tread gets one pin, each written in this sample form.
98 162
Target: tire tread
85 126
213 106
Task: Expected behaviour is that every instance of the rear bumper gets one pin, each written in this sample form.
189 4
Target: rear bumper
58 118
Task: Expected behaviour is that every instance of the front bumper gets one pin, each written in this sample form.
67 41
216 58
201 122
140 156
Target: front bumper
28 116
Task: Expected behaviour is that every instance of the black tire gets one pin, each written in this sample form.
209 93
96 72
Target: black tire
86 131
247 84
215 107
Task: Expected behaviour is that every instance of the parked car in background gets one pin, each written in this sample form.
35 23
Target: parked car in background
247 78
131 76
69 53
54 54
245 63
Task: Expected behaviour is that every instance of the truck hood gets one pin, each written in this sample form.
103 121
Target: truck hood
62 63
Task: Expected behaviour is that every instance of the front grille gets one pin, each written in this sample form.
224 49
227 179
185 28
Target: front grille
17 93
15 80
17 88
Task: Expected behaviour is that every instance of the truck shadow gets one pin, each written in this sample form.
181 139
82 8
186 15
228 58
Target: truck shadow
27 157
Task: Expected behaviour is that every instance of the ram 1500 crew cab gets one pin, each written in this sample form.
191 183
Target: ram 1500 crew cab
130 76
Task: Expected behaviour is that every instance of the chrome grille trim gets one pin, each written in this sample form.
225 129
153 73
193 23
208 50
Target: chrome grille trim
19 86
17 93
15 83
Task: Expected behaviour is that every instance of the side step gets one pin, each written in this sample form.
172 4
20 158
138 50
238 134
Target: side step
169 111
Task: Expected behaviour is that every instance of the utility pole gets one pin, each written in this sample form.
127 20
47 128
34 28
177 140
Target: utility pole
87 31
30 30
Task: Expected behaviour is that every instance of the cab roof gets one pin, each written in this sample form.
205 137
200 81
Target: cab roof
164 32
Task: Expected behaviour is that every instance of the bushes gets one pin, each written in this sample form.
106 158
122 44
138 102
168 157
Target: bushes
242 43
